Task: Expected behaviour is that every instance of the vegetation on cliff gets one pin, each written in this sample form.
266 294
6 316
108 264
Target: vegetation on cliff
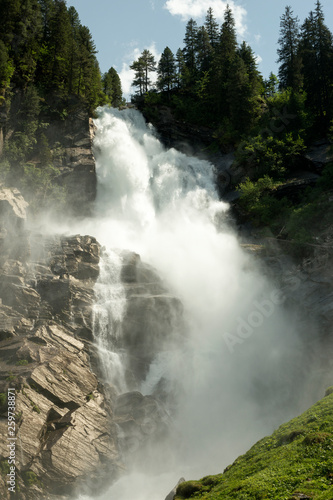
294 463
48 73
214 81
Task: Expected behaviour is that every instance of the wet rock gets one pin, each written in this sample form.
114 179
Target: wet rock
76 162
153 317
140 420
64 420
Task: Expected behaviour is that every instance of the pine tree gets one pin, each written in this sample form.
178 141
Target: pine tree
166 71
182 72
228 38
57 57
204 51
88 66
143 67
74 51
212 28
290 68
316 48
224 57
149 65
139 75
271 85
324 50
112 87
190 49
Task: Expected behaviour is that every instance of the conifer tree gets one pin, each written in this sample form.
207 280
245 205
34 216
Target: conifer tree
190 49
143 67
181 69
224 57
212 28
204 51
112 87
139 75
290 68
316 48
149 65
166 70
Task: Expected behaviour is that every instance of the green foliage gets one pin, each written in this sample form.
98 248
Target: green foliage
143 67
4 467
11 377
295 458
22 362
30 478
258 202
39 187
35 408
3 398
326 179
166 71
269 155
112 88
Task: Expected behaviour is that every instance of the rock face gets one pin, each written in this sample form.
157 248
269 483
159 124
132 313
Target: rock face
64 423
73 431
153 316
72 138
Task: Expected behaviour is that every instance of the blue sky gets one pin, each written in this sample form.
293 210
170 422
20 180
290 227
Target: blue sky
123 29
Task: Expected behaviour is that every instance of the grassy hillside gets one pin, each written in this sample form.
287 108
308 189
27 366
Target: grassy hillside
295 462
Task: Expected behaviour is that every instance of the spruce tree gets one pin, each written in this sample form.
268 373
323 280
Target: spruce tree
190 49
182 73
290 68
212 28
316 48
166 71
112 87
204 51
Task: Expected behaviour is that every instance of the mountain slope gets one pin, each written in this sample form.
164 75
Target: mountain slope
295 462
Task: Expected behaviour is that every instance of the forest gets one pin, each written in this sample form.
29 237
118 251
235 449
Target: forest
269 123
215 80
48 71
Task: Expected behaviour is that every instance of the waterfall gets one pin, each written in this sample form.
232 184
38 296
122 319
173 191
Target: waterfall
107 316
239 370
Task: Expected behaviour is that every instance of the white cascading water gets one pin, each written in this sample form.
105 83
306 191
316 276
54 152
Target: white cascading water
240 369
107 317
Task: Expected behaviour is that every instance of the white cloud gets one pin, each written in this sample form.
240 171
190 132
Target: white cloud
258 59
198 9
127 75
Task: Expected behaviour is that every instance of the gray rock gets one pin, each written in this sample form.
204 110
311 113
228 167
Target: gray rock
173 492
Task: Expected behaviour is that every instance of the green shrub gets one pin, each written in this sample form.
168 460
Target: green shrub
257 200
35 408
30 478
22 362
4 467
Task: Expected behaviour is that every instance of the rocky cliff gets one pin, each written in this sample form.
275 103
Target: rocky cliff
73 432
72 139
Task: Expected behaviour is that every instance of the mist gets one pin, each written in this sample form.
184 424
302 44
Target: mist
239 372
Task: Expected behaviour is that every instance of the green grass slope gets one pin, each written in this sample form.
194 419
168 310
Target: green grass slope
295 462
